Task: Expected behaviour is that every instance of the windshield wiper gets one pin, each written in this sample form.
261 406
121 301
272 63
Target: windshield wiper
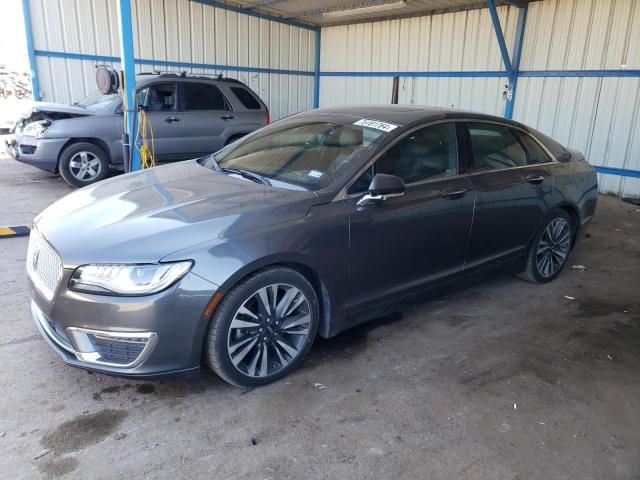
247 174
243 173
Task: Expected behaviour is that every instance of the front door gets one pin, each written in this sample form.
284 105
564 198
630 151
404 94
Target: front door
404 243
513 187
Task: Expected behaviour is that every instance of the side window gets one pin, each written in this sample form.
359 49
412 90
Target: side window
430 152
246 98
495 147
202 96
160 97
535 153
362 183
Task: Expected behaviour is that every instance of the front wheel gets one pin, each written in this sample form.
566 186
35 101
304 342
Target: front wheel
83 163
263 328
550 249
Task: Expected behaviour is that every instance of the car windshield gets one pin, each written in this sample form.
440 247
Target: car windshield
305 154
97 100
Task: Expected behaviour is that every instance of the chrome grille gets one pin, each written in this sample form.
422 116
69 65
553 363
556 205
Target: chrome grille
43 265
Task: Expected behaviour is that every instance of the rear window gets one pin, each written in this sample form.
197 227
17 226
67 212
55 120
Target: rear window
246 98
201 96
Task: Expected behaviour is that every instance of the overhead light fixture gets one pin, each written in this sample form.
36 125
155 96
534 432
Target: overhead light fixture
369 9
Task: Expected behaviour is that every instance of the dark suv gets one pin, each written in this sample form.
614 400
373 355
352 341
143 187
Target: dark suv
190 116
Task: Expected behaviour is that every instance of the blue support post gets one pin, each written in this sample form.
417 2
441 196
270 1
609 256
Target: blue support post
501 43
517 52
33 66
316 73
128 65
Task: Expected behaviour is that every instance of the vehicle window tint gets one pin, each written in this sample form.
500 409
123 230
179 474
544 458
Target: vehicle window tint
362 183
430 152
535 153
495 147
200 96
160 97
246 98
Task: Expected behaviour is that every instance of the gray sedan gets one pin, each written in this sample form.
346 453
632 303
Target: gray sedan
309 226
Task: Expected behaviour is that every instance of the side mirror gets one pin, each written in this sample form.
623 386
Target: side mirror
382 187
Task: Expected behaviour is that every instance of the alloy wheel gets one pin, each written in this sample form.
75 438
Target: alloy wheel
553 247
269 330
84 166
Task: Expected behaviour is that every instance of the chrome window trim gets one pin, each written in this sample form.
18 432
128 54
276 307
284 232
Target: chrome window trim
342 194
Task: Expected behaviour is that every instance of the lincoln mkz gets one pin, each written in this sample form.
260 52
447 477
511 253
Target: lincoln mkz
306 227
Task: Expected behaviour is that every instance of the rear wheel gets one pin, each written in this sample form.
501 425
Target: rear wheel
263 328
83 163
550 249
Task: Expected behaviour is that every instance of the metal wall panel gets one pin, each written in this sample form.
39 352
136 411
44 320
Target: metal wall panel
598 116
448 42
178 31
582 35
436 43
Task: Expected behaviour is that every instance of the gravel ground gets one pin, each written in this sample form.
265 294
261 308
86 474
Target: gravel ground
503 379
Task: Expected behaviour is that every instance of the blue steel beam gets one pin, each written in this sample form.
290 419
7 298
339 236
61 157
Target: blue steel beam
491 4
273 18
33 66
170 63
128 64
316 73
261 3
517 54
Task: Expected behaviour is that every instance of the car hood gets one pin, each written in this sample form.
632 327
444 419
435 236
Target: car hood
49 108
144 216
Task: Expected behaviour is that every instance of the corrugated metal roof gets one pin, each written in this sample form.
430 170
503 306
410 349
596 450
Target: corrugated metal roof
315 12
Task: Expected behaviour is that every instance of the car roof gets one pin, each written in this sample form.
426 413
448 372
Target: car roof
404 115
150 76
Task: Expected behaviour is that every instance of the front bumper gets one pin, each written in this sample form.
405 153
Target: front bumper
150 336
39 152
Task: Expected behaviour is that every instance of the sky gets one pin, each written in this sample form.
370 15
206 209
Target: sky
13 48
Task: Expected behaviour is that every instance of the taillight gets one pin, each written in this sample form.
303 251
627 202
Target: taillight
268 117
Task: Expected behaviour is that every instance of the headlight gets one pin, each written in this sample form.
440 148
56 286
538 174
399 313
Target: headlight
125 279
36 129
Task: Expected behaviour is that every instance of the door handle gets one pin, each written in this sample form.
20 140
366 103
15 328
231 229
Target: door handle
453 194
171 119
227 117
535 179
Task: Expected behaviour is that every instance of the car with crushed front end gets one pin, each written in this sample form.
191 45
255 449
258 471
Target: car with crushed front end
307 227
188 116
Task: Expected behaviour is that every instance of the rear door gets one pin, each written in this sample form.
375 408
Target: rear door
206 116
404 243
513 190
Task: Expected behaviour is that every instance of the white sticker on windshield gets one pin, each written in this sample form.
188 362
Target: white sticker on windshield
377 124
314 174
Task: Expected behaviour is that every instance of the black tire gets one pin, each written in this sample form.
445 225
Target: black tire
219 337
95 158
533 271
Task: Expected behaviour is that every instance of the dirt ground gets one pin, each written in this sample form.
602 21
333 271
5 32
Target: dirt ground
501 380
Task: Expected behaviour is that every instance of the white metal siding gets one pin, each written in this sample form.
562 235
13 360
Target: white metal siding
460 41
598 116
178 31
